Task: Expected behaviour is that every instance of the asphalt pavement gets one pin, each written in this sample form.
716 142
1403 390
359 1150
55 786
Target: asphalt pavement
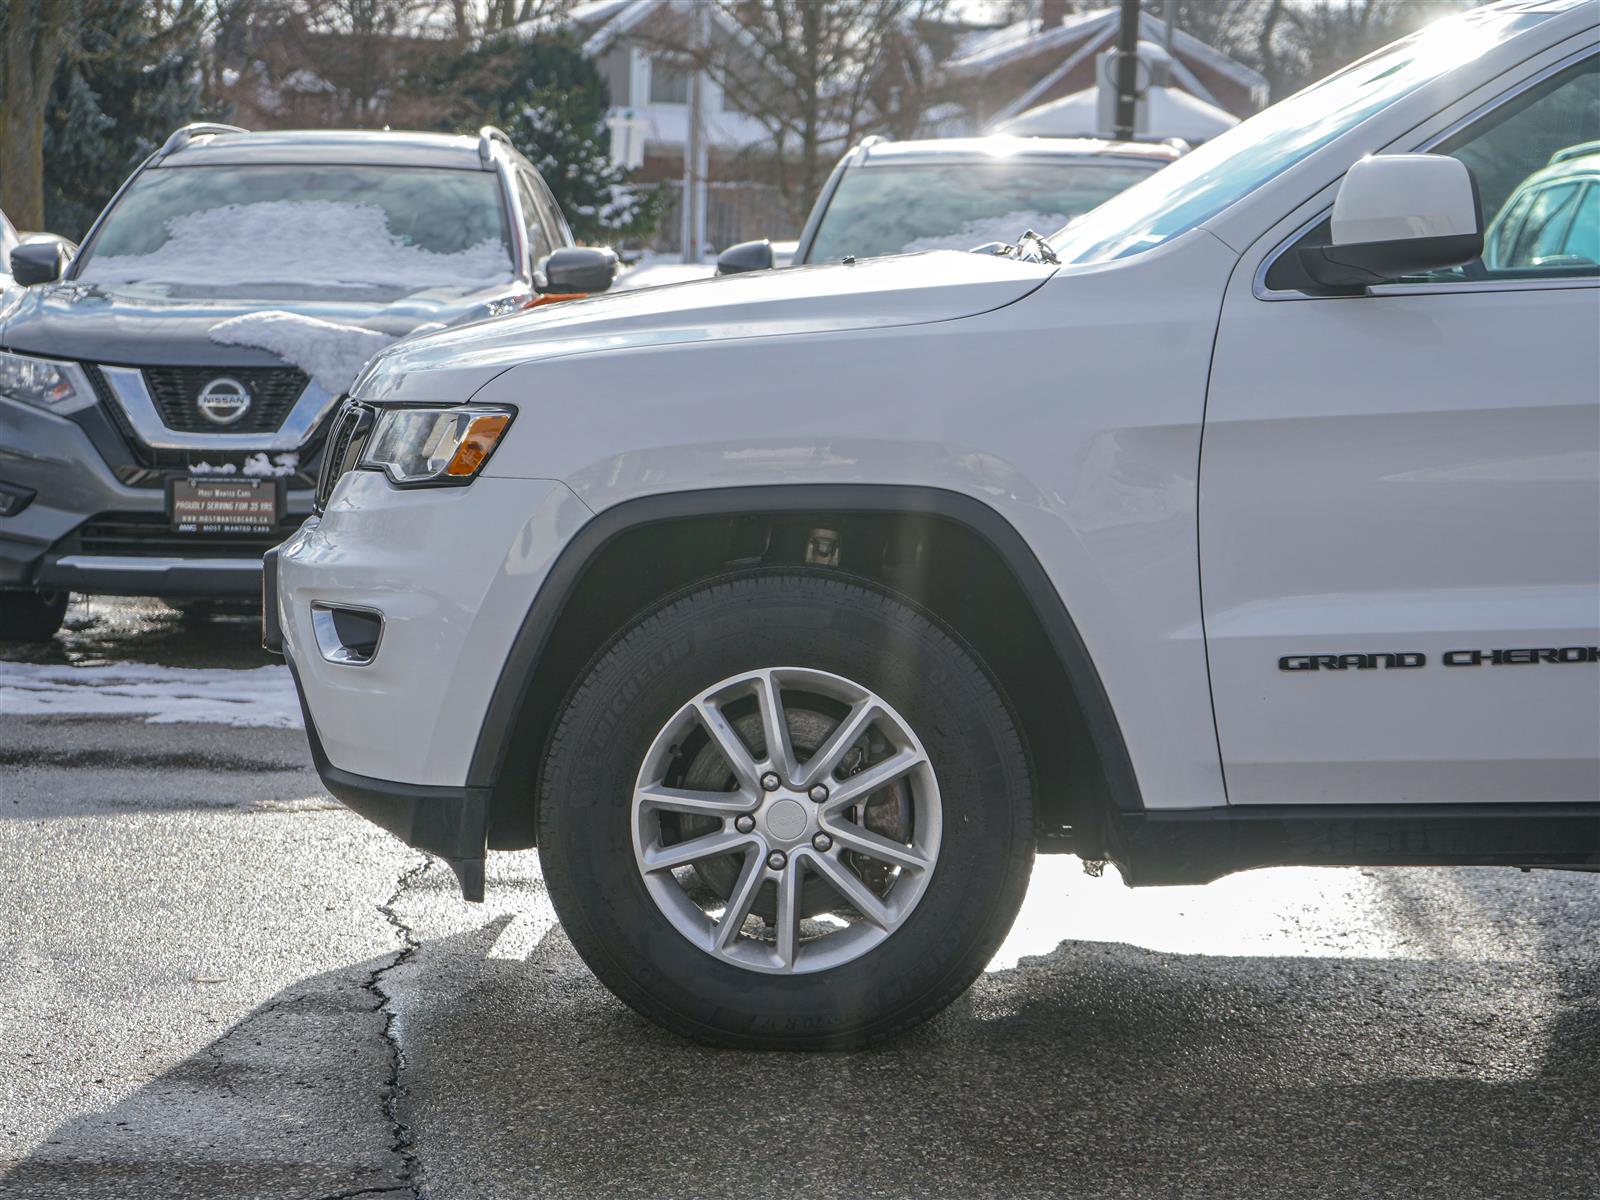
220 984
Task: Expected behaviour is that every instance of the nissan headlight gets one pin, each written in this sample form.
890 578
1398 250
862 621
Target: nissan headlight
46 382
435 445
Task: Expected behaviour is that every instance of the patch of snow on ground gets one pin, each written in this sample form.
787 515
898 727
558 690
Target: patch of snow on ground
654 270
312 243
262 696
331 353
973 234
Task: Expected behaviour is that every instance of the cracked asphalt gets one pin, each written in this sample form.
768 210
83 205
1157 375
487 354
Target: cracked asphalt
218 983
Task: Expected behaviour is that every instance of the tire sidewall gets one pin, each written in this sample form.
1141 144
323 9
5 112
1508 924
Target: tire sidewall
775 620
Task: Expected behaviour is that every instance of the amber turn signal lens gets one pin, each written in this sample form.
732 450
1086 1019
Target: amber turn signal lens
481 437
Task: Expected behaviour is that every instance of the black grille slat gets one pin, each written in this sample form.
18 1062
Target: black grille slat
150 535
273 392
347 438
154 465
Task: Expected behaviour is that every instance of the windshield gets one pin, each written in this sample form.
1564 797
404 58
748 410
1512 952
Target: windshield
1202 184
266 230
903 207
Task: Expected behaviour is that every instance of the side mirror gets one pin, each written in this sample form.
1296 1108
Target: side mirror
1395 215
586 269
41 258
746 256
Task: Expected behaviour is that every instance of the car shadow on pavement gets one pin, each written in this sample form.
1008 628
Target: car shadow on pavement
1099 1069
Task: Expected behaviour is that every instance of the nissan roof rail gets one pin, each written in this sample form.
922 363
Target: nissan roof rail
182 137
487 137
1581 150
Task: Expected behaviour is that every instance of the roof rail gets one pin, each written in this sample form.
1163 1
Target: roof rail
181 137
487 137
1581 150
872 139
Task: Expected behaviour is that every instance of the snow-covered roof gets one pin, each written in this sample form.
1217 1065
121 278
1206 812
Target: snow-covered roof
380 147
1172 113
986 50
607 20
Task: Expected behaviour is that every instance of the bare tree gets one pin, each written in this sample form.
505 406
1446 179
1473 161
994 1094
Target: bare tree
473 19
803 69
39 33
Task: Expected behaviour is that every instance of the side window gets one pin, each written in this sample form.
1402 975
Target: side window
1540 237
1583 239
1532 158
555 221
539 243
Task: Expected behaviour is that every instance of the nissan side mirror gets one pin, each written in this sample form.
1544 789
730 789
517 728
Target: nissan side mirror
574 269
745 256
41 258
1397 215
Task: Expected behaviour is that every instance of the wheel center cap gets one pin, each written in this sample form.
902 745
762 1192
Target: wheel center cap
787 820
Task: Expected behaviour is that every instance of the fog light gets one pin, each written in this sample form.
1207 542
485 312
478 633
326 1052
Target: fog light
14 498
348 636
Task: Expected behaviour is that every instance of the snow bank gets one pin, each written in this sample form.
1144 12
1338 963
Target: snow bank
990 229
162 695
312 243
330 353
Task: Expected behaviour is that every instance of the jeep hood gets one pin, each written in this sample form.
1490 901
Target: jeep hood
911 289
135 326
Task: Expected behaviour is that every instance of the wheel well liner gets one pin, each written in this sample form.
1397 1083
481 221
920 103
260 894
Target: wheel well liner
522 705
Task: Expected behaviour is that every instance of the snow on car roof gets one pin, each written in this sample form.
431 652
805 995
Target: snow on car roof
1028 147
377 147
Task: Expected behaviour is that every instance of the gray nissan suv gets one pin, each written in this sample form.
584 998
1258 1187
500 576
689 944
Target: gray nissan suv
165 387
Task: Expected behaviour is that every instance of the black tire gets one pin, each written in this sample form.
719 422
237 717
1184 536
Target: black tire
31 616
793 619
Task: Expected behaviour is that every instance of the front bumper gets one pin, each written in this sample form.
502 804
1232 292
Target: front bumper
453 573
47 546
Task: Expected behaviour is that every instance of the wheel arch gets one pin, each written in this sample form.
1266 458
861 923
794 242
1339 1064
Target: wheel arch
635 553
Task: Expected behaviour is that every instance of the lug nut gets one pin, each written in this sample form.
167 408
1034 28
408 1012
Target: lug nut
770 781
819 794
745 823
777 860
822 842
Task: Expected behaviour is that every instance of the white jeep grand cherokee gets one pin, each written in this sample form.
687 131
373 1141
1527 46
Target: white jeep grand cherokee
1253 519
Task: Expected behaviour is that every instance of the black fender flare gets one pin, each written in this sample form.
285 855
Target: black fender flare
567 572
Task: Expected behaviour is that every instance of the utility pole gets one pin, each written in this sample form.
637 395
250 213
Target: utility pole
1127 70
694 152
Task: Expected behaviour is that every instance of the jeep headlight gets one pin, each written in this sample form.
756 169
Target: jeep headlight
435 445
46 382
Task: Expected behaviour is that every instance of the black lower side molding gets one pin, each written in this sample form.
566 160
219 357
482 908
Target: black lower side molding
1197 846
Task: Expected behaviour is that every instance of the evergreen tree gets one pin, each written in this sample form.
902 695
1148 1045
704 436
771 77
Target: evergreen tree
132 79
552 103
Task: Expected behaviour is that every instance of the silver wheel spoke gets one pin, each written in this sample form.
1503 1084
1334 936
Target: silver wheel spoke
705 804
879 775
750 818
862 898
775 726
831 753
739 902
788 927
853 837
738 756
681 854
